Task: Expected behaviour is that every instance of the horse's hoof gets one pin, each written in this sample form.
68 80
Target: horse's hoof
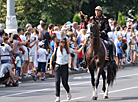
105 97
94 98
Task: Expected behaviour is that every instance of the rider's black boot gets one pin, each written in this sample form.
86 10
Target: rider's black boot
83 64
111 54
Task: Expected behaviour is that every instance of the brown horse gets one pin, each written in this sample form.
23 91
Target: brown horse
95 57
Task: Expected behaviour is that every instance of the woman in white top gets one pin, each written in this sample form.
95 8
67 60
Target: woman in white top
61 67
6 50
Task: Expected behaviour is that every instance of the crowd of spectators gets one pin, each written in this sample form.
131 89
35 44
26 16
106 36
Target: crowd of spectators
125 39
28 52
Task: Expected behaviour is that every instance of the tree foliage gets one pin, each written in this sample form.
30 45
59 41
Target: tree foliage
121 20
60 11
77 18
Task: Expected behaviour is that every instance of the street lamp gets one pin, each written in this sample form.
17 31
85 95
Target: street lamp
11 22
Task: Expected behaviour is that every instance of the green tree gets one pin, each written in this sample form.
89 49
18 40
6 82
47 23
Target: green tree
121 20
3 11
77 18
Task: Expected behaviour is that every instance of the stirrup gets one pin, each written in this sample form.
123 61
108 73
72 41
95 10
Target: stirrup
83 64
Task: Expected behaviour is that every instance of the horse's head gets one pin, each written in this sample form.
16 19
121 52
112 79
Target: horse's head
94 28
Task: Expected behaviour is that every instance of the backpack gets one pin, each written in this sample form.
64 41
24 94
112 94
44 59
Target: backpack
124 46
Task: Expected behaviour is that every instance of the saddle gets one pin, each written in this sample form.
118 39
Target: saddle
106 47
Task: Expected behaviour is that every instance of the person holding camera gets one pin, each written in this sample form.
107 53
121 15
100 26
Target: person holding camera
6 50
61 66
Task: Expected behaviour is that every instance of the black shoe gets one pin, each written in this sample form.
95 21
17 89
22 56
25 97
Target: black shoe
15 84
83 64
42 79
34 78
8 85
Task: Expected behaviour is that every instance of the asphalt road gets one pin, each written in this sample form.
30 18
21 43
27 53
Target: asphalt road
125 89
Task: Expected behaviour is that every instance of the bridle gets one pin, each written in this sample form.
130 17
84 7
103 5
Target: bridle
92 35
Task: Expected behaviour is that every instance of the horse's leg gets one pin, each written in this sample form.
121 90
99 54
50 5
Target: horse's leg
108 83
92 78
104 78
97 83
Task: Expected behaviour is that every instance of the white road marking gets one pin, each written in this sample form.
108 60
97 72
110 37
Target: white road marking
70 85
116 77
103 93
28 92
74 99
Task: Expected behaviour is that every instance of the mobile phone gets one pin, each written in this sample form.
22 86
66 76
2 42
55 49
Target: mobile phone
34 38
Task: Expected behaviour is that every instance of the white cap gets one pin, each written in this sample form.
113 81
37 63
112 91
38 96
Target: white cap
128 19
109 20
98 8
41 43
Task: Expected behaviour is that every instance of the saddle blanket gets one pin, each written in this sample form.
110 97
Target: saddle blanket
106 50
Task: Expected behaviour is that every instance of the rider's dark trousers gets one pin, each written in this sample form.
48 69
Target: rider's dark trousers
103 36
61 71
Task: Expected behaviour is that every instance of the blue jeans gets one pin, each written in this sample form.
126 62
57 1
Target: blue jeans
5 61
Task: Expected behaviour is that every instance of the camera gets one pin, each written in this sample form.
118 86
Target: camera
29 33
1 44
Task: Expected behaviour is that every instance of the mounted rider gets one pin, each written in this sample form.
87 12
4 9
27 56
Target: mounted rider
104 29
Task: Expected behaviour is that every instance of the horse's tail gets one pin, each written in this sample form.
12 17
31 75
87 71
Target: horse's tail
112 70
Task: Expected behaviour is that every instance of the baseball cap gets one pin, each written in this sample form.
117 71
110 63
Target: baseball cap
41 43
18 53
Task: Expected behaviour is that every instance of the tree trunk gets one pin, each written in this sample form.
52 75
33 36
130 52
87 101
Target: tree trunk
80 6
116 15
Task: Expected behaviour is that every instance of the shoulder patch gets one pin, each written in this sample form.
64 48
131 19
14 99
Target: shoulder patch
105 17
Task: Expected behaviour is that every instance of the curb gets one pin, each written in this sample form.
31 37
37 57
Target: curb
48 75
72 72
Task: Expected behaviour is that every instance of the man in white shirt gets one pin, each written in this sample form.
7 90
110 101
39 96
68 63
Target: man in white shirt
111 34
39 26
32 49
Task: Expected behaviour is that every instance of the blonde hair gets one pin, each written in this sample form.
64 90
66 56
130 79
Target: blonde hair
56 28
62 33
119 37
133 39
83 31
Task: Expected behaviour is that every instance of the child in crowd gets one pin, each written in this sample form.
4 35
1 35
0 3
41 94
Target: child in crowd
18 65
137 47
120 52
80 56
133 48
42 53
